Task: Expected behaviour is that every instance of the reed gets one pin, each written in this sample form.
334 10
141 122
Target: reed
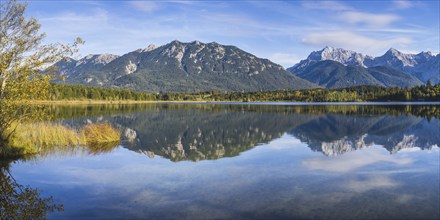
31 138
100 133
34 137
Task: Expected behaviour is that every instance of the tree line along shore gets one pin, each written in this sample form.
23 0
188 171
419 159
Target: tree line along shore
367 93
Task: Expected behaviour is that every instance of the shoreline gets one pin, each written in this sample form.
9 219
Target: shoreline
101 102
91 102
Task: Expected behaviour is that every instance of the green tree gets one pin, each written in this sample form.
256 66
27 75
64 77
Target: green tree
429 84
23 58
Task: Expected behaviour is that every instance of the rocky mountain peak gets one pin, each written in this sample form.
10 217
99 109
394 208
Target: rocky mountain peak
174 49
97 59
423 56
147 49
393 51
346 57
175 42
104 58
327 50
395 58
196 42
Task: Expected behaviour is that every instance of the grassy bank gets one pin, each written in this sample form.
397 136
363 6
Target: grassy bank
38 137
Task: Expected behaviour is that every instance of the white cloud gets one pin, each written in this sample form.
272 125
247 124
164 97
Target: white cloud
392 30
285 59
404 198
353 41
145 6
98 15
402 4
353 161
66 26
105 32
370 183
410 52
286 141
369 19
92 3
326 5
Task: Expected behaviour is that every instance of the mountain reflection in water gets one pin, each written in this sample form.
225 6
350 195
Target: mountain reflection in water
255 162
337 134
205 132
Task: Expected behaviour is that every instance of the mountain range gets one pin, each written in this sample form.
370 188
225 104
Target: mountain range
350 68
332 74
181 67
197 67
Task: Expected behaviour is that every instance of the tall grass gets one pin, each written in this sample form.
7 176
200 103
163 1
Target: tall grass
100 133
101 138
31 138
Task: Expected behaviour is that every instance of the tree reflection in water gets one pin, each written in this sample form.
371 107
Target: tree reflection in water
22 202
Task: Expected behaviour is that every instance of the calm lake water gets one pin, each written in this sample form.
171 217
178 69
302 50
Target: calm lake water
222 161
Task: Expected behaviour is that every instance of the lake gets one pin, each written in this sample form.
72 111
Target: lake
245 161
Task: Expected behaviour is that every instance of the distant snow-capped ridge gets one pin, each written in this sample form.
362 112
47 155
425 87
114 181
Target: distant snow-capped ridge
424 65
346 57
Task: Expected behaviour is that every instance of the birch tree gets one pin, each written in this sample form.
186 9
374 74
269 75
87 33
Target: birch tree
23 56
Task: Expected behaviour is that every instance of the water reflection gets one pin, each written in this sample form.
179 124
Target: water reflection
260 184
353 161
201 132
289 175
337 134
21 202
198 135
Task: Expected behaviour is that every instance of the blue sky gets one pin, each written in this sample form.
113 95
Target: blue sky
282 31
